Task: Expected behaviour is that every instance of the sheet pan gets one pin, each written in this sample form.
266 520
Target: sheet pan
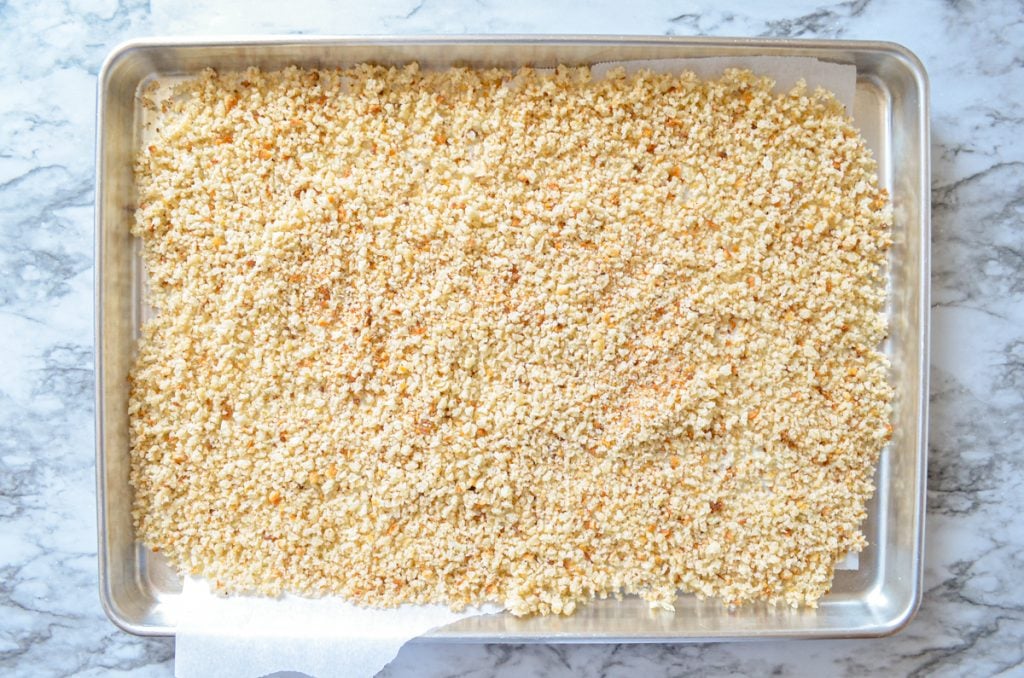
138 589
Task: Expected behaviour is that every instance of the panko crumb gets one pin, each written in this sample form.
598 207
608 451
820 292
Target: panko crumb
481 335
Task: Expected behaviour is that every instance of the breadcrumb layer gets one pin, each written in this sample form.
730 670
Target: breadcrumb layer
471 336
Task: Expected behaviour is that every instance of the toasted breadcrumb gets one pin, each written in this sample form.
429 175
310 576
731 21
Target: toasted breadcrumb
480 335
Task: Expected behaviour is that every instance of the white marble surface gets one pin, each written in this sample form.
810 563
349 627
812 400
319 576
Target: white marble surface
972 620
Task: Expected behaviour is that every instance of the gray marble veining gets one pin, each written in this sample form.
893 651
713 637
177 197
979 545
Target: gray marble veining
972 619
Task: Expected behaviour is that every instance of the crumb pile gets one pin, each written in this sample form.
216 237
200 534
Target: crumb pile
529 338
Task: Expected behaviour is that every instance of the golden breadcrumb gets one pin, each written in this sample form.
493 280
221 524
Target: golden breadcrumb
480 335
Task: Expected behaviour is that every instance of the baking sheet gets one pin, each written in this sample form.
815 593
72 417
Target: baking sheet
889 103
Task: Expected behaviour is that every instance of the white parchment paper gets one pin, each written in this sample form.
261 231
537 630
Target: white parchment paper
247 636
250 637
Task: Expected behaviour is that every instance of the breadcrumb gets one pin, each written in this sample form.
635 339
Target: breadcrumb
481 335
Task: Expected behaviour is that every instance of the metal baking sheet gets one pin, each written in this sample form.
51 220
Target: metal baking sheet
138 589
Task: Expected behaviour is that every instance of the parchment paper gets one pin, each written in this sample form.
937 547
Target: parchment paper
248 637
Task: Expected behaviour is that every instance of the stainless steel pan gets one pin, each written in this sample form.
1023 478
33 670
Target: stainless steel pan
891 107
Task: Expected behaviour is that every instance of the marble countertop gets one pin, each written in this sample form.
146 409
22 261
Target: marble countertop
972 618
